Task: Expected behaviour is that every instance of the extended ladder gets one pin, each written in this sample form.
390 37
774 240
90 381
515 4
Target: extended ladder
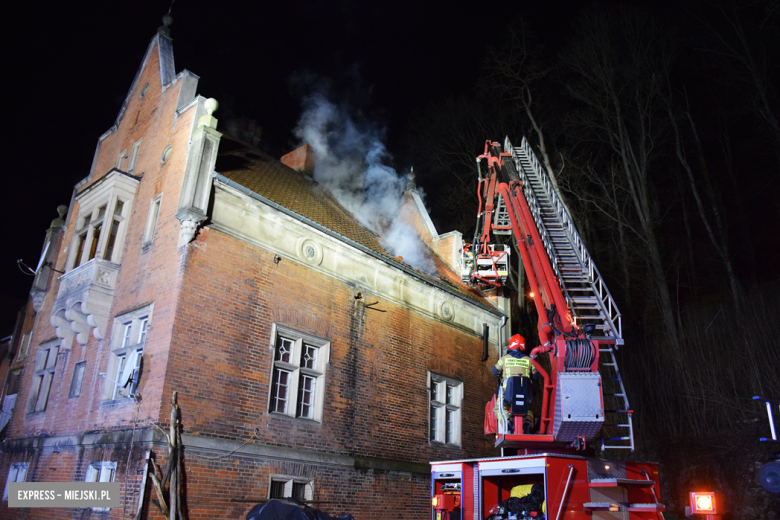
589 300
618 429
586 293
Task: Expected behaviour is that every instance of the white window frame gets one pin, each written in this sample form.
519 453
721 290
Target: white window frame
17 472
129 335
103 195
308 494
45 366
296 373
445 404
134 156
101 471
152 218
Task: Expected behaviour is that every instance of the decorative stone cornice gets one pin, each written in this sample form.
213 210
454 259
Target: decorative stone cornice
238 214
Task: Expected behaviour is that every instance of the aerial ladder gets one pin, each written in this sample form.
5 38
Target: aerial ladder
579 326
551 474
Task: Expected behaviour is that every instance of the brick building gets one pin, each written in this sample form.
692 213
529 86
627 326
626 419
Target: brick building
307 360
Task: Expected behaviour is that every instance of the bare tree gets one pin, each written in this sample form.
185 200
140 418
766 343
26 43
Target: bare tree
744 38
715 226
510 72
444 141
619 64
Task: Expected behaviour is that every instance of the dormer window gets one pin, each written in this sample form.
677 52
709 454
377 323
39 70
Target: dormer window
104 209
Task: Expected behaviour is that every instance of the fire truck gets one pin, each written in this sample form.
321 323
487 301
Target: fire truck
584 410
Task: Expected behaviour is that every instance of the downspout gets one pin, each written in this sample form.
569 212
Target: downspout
501 325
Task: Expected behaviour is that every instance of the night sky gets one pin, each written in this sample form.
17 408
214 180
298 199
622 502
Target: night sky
71 65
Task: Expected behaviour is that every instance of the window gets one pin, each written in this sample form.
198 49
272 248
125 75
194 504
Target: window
129 336
104 209
93 224
24 346
298 374
16 473
101 472
290 487
151 219
446 395
134 156
166 154
78 378
9 401
120 159
45 365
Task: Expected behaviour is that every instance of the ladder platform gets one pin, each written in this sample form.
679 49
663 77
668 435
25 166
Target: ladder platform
510 440
615 482
646 508
601 506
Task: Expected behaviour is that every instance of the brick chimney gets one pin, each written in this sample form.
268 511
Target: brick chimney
301 160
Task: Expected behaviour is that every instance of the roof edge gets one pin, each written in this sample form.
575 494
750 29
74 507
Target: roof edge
246 191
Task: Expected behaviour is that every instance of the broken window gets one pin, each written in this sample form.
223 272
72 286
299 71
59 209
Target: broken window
298 374
130 332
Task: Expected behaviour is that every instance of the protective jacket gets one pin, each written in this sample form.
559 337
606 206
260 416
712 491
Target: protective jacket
514 364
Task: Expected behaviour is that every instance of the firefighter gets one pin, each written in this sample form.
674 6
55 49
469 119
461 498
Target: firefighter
516 363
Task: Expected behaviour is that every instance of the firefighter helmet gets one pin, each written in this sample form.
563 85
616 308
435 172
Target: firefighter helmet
517 342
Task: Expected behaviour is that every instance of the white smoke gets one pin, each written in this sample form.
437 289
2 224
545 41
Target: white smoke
351 162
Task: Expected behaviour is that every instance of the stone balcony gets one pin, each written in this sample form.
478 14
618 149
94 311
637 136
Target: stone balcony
84 301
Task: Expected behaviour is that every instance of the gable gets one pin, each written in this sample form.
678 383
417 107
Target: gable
163 47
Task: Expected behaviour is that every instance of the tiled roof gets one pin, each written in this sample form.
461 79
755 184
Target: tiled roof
268 177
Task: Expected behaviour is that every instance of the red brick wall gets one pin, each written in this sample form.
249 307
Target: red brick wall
376 402
70 465
150 274
301 159
214 304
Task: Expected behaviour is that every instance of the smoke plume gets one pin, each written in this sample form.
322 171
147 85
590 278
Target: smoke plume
351 161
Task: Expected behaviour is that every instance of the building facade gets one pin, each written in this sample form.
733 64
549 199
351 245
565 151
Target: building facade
306 360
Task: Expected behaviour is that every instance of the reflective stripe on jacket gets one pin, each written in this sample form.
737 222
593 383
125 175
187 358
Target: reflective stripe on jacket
510 366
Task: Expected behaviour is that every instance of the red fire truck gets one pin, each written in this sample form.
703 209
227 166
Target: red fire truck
552 471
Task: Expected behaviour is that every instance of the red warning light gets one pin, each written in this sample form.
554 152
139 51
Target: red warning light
703 503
